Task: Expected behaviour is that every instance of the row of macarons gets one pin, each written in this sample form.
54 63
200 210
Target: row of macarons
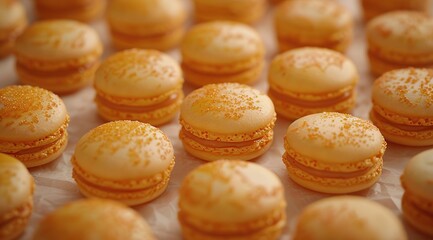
228 198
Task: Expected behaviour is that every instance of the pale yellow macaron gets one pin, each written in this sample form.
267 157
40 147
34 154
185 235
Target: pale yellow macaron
348 217
222 51
400 39
334 152
81 10
148 24
403 107
127 161
16 197
318 23
230 199
58 55
143 85
245 11
311 80
13 20
227 120
93 219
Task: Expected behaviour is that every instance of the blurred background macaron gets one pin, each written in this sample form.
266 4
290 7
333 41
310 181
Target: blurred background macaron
142 85
334 152
13 20
58 55
16 197
127 161
33 124
91 219
230 199
80 10
227 120
374 8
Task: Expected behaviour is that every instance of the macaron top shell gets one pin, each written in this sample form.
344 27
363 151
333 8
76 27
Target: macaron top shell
227 108
91 219
402 32
348 217
230 191
405 91
334 138
10 13
138 74
221 42
312 70
16 184
57 40
315 18
29 113
418 175
124 150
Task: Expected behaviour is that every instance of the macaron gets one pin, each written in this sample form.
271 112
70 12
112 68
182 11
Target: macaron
222 51
13 20
417 202
127 161
399 39
33 124
348 217
300 23
143 85
310 80
403 106
58 55
333 152
150 24
16 197
227 121
245 11
80 10
231 199
373 8
91 219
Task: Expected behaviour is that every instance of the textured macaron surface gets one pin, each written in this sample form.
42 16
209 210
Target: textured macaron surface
418 175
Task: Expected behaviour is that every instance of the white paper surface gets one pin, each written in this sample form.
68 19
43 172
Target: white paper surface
55 186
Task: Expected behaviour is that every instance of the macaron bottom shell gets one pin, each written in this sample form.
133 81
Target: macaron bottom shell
420 219
13 223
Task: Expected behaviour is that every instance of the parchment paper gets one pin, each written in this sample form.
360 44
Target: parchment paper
55 186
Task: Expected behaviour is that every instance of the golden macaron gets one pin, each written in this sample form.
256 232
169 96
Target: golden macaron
80 10
58 55
93 219
333 152
403 107
348 217
319 23
127 161
143 85
227 120
374 8
16 197
400 39
33 124
311 80
417 202
245 11
222 51
13 20
230 199
150 24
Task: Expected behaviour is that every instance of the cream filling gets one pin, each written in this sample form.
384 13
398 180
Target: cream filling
401 126
186 65
164 34
57 73
219 144
310 104
173 98
326 174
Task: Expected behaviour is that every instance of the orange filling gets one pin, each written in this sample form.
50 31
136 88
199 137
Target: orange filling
310 104
57 73
399 64
401 126
326 174
219 144
173 98
155 36
238 72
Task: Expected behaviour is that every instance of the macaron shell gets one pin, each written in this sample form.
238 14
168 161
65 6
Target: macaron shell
348 217
29 113
57 40
11 12
138 149
138 74
419 219
227 108
312 70
418 175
